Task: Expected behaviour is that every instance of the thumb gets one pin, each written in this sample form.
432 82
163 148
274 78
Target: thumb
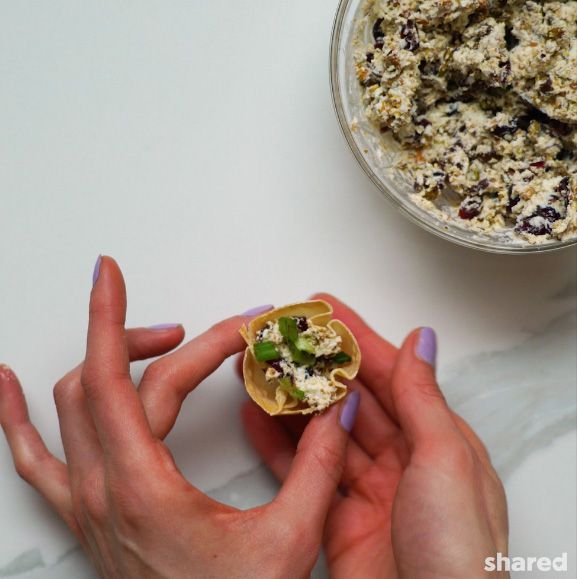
420 405
316 470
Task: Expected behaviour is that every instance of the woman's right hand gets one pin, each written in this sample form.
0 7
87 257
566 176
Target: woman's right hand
120 490
420 498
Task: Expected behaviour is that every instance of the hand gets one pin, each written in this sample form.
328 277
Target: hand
419 497
121 492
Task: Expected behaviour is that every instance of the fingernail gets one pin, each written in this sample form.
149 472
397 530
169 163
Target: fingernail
426 348
258 310
96 272
350 409
160 327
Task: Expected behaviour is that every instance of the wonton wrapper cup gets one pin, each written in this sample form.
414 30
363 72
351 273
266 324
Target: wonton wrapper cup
273 399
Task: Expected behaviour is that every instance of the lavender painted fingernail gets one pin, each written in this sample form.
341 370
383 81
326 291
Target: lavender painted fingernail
96 272
350 410
160 327
426 348
258 310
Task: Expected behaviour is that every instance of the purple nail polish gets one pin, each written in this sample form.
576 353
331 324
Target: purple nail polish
160 327
96 272
426 348
258 310
349 410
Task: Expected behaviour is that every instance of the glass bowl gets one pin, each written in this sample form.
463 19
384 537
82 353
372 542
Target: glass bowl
377 153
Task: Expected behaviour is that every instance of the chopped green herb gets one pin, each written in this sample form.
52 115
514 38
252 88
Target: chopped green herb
286 383
341 358
288 328
265 351
300 357
299 394
304 344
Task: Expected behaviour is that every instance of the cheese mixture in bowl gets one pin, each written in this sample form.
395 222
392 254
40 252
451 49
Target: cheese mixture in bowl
480 99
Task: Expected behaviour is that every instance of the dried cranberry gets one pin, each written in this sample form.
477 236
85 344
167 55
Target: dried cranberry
558 128
470 207
563 186
504 76
504 130
512 202
378 34
536 226
277 366
371 80
486 157
565 155
547 86
510 39
538 165
548 213
524 122
480 186
430 68
302 324
527 227
410 35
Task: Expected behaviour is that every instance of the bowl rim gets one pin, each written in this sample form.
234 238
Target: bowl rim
489 246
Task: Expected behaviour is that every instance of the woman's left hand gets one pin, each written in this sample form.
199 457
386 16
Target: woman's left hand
121 492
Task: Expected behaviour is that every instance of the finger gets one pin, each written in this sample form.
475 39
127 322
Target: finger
269 438
275 439
168 381
357 460
420 405
376 433
144 343
32 460
378 355
79 437
473 439
373 427
115 407
312 482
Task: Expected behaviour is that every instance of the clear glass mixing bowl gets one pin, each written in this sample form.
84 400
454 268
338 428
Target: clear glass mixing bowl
377 153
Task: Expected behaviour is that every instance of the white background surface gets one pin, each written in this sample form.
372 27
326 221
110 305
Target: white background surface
196 143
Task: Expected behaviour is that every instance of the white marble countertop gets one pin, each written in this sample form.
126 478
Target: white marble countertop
196 143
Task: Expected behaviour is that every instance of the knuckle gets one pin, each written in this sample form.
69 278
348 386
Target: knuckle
461 455
422 387
101 307
64 389
224 326
157 373
428 388
90 375
219 336
24 469
327 460
91 499
132 502
31 463
451 454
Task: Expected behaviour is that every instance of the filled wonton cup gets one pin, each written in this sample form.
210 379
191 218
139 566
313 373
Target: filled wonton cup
282 396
